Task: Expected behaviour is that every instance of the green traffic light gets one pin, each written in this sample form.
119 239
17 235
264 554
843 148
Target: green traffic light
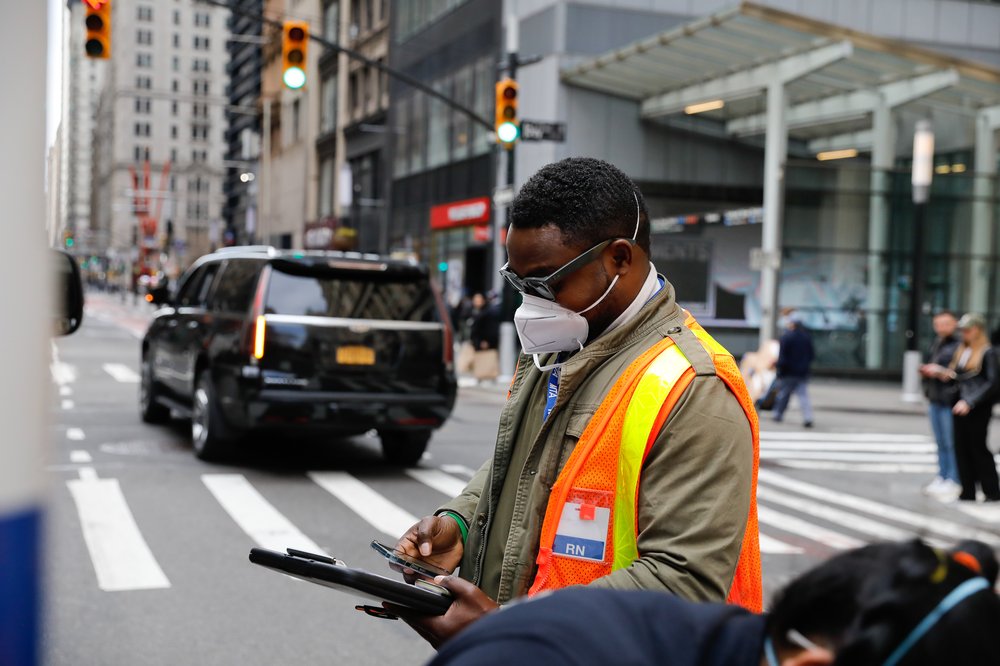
443 266
69 242
294 77
508 132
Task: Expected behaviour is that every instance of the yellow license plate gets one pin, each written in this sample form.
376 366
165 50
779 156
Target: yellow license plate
355 356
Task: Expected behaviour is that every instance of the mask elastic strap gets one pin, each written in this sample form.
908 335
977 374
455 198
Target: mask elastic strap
772 657
546 368
635 234
954 598
603 296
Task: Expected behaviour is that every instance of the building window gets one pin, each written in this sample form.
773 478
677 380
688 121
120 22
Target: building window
401 165
141 153
142 129
326 185
461 127
173 108
199 132
144 37
201 20
144 60
354 94
328 112
173 131
201 43
142 105
145 13
331 21
438 127
177 41
176 64
177 17
173 158
175 85
143 82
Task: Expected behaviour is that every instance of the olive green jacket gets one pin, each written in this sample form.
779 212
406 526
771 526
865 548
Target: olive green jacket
694 491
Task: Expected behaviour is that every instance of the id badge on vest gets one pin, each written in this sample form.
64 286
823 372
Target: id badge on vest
583 525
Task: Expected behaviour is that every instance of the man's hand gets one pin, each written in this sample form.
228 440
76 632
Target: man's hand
961 408
436 540
470 603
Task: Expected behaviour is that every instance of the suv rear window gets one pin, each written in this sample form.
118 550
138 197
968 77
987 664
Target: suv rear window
350 297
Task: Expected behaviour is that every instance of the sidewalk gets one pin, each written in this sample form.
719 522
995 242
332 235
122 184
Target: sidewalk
828 395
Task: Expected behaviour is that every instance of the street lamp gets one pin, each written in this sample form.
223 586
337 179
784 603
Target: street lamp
923 173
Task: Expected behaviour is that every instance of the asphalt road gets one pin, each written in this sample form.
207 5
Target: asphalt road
147 546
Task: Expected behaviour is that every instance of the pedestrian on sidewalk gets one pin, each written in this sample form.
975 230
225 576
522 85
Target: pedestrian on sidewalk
485 334
942 394
974 368
795 357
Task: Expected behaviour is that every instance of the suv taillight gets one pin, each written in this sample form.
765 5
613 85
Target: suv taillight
259 322
447 336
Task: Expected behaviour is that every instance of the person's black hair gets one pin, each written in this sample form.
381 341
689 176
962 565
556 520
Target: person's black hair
864 603
587 199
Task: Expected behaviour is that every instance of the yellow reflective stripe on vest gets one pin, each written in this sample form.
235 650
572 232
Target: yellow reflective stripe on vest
643 408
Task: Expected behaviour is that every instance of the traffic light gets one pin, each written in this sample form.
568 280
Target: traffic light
98 23
294 47
508 127
68 240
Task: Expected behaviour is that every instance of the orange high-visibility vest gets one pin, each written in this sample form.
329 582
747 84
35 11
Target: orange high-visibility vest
600 482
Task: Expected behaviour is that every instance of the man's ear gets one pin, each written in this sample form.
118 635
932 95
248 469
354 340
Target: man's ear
622 255
816 656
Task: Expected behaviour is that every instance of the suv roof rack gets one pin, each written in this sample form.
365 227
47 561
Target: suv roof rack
244 248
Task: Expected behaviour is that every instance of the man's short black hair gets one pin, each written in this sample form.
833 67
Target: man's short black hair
587 199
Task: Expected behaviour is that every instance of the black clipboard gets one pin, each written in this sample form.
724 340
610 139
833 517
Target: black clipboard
323 570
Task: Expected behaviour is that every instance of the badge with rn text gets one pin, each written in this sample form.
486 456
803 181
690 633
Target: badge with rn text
583 526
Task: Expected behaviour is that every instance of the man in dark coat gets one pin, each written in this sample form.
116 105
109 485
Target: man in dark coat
795 358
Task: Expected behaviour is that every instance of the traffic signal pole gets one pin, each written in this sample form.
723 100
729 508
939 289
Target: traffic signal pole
505 184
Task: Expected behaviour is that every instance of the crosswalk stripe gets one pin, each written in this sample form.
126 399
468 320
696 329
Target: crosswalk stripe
121 373
923 523
80 456
877 468
255 515
122 560
793 525
849 456
830 514
461 470
438 480
779 435
375 509
771 546
870 447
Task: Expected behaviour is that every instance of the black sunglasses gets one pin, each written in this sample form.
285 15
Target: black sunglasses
542 287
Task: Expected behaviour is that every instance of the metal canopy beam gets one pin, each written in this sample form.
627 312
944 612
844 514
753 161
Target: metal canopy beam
862 140
849 105
747 81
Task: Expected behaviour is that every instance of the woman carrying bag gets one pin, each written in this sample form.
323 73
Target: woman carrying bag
974 369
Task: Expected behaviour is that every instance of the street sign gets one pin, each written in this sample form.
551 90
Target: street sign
503 197
759 259
532 130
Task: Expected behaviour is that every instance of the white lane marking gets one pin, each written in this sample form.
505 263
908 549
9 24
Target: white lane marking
376 510
871 447
255 515
852 521
922 523
88 474
459 469
65 391
780 435
875 468
121 373
786 523
75 434
67 404
988 513
772 546
80 457
849 456
121 558
438 480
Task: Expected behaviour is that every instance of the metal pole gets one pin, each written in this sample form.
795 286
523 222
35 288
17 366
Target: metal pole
923 172
775 150
264 189
505 181
917 276
27 296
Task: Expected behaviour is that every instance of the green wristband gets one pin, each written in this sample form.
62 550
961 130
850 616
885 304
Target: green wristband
461 524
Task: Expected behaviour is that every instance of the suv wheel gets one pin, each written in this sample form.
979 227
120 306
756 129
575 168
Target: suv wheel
404 448
149 407
209 436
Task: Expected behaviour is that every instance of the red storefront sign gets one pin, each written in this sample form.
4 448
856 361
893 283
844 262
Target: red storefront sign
460 213
482 234
320 235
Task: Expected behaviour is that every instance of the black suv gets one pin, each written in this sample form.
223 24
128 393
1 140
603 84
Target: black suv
256 338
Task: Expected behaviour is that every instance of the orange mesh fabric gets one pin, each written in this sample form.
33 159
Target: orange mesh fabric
593 465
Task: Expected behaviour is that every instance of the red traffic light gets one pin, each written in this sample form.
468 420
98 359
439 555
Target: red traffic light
510 92
296 34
